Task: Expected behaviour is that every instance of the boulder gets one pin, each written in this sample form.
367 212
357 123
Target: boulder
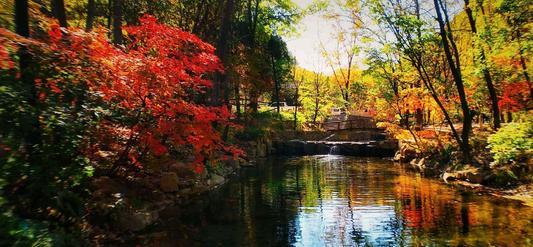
469 174
135 220
474 177
261 149
184 171
105 186
215 180
295 147
418 164
407 153
397 156
169 182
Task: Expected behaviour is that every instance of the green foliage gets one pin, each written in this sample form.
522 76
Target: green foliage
250 133
51 185
512 143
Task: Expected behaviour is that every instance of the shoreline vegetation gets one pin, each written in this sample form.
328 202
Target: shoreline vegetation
112 110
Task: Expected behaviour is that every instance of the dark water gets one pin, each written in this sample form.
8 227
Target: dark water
341 201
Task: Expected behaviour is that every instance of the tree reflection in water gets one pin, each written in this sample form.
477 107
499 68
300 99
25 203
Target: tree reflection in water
341 201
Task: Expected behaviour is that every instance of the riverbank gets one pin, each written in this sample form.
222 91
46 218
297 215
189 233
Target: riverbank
433 155
130 205
122 206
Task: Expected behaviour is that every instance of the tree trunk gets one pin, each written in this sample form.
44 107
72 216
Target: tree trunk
91 9
417 63
347 85
315 114
317 98
296 110
109 13
117 22
523 64
522 59
59 12
220 85
419 118
455 68
276 82
32 135
237 99
254 101
406 118
486 73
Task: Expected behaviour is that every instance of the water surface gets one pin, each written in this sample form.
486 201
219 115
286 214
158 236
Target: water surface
342 201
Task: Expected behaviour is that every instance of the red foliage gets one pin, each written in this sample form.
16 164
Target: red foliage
6 44
152 83
515 96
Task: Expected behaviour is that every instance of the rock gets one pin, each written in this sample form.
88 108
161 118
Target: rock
418 164
106 185
448 176
251 149
407 152
261 149
397 156
169 182
232 163
472 175
215 180
414 163
295 147
268 144
186 191
183 170
246 164
105 154
133 220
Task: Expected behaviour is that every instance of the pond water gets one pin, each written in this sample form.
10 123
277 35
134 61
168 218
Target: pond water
342 201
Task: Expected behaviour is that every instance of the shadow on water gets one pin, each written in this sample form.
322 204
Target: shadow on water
339 201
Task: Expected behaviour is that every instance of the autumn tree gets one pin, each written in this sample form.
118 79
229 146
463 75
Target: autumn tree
484 67
426 54
59 12
117 21
452 57
86 98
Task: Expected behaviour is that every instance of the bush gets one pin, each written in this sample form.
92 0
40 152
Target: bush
250 134
512 143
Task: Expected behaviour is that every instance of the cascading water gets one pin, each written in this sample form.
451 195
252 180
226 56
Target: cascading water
334 150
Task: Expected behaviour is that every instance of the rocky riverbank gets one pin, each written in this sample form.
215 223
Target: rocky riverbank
121 207
479 178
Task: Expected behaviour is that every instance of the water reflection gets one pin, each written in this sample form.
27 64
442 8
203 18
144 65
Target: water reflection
339 201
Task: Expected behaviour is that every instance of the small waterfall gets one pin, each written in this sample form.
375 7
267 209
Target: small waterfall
334 150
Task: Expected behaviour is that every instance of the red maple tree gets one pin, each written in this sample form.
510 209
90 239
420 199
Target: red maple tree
152 87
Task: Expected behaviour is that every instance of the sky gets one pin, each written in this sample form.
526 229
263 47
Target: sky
305 46
314 30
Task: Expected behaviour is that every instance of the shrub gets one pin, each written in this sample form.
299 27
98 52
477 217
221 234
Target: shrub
250 134
512 143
